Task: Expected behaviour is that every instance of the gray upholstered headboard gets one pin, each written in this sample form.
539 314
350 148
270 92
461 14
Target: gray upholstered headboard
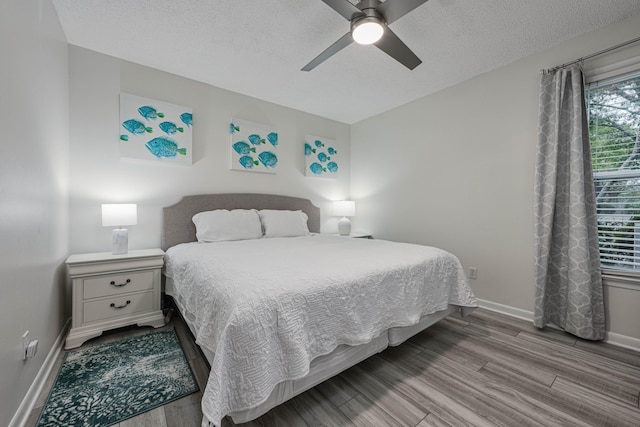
177 226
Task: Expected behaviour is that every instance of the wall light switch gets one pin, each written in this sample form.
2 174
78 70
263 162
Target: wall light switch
25 344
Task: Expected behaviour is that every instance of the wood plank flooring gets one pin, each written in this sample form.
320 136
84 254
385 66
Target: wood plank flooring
484 370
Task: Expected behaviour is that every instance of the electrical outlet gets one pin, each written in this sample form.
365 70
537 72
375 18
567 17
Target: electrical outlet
473 273
32 348
29 348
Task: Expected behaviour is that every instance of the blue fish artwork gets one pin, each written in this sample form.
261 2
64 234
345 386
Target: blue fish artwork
273 138
149 113
247 162
323 157
136 127
316 168
243 148
318 143
170 128
308 149
124 137
255 139
332 167
268 159
233 128
187 118
331 151
164 147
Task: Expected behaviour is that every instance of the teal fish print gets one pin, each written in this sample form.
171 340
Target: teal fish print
233 128
247 162
331 151
308 149
124 137
164 147
136 127
323 157
255 139
268 159
243 148
149 113
332 167
273 138
187 118
319 143
170 128
316 168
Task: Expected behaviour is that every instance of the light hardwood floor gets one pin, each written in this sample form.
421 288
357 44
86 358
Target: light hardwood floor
484 370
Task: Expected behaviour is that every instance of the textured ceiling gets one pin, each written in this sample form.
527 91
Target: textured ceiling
257 47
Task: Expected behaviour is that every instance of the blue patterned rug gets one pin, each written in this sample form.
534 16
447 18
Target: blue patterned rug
108 383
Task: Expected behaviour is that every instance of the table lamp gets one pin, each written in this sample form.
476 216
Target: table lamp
344 208
118 215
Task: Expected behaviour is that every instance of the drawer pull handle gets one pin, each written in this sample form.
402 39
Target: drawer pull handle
113 305
119 285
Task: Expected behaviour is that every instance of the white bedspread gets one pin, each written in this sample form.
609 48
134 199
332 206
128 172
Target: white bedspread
267 307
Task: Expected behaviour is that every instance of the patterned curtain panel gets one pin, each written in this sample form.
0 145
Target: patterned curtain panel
568 280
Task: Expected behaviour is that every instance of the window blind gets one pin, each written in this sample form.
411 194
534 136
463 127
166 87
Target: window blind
614 132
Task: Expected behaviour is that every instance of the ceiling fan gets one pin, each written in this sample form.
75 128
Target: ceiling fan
369 25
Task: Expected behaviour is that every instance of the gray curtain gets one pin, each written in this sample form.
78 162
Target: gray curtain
568 280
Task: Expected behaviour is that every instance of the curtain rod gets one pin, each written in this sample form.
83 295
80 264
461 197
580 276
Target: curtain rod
593 55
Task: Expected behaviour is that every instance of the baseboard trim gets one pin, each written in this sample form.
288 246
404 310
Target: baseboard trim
506 309
611 337
28 402
623 341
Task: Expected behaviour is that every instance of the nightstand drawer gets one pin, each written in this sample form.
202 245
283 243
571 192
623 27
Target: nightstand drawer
117 284
117 306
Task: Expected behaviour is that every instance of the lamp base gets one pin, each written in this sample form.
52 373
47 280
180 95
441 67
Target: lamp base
344 226
120 241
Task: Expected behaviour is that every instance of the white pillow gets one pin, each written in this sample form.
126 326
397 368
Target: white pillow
278 223
222 225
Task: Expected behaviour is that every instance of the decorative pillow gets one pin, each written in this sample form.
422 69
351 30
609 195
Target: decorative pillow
222 225
278 223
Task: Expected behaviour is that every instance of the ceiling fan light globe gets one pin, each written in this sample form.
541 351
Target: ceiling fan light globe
367 31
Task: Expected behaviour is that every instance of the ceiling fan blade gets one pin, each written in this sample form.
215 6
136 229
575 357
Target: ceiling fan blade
342 42
395 9
344 8
394 47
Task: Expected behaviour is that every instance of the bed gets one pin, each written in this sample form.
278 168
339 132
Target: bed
276 315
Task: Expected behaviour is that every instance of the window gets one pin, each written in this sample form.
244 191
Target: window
614 131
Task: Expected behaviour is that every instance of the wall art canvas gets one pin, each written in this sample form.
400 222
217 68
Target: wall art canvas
155 130
321 156
254 147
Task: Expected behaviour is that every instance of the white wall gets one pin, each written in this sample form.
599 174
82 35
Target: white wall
98 175
34 163
455 170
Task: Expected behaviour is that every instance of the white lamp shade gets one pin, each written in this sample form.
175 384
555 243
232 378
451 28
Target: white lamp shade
344 208
116 215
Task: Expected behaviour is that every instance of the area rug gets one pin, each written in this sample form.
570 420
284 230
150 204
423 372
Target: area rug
108 383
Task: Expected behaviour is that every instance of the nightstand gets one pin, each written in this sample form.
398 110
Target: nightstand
111 291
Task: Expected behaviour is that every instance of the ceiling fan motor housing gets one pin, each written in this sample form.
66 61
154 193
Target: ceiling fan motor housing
369 15
368 4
